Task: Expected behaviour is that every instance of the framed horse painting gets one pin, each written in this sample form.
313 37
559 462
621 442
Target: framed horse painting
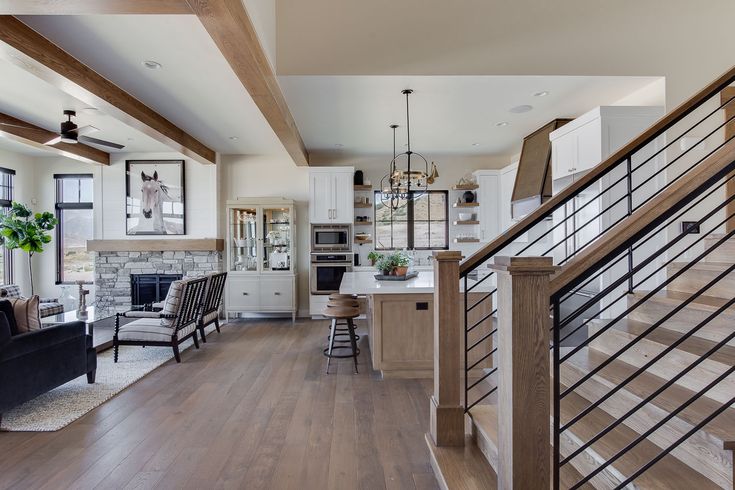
154 203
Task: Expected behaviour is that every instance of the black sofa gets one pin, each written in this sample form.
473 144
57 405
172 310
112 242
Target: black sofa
33 363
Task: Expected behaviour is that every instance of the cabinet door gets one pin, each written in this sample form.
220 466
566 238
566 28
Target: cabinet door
321 197
344 197
276 293
243 293
589 146
563 156
488 197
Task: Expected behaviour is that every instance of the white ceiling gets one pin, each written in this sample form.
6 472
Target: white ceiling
195 88
448 113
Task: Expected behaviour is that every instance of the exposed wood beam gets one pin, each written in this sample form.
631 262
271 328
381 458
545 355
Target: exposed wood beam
231 29
36 137
25 48
89 7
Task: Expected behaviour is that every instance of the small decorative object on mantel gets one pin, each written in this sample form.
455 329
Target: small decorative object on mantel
82 310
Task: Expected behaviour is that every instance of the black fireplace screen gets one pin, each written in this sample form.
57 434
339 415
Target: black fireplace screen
150 288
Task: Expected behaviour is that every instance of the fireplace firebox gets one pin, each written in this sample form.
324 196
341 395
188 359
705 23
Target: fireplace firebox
150 288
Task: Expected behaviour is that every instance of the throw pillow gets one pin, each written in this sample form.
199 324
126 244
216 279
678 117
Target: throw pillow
7 308
27 313
173 299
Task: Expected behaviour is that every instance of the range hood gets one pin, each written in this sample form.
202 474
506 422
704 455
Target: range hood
533 179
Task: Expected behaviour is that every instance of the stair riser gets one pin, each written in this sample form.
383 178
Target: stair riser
693 280
653 310
723 253
701 452
674 362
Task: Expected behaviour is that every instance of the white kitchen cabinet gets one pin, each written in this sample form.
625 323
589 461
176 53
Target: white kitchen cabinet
261 256
331 195
507 181
488 196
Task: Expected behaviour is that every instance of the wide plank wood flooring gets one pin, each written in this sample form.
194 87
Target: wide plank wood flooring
251 409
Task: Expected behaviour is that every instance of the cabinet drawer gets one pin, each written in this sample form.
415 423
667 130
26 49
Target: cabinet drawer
243 292
276 293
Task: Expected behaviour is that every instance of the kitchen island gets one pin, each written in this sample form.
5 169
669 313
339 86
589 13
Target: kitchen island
400 318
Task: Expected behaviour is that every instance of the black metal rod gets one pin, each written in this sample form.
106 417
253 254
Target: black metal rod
482 320
475 364
483 378
466 339
480 301
480 281
481 340
557 401
648 399
678 442
481 398
654 428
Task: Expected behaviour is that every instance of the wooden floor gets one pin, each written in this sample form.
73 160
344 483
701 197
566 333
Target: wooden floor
251 409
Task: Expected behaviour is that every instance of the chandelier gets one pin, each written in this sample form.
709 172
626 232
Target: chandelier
408 174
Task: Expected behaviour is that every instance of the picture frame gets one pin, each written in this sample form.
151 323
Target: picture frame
155 201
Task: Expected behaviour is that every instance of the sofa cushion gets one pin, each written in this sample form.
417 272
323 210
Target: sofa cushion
27 313
173 301
5 336
6 307
10 291
145 329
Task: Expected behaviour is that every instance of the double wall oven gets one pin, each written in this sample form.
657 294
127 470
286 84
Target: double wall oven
331 257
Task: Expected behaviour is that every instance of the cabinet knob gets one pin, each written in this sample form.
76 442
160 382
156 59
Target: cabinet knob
244 294
277 293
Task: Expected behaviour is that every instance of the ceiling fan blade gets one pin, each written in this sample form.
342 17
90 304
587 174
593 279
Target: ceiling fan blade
22 127
95 141
53 141
86 130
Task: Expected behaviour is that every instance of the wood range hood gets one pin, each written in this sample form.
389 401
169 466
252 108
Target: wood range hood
533 179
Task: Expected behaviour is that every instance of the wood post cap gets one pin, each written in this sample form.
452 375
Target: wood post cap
448 255
524 265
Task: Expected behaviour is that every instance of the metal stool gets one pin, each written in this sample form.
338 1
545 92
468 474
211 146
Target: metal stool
342 332
342 313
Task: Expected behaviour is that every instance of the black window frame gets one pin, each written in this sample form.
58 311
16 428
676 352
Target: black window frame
7 191
411 222
59 208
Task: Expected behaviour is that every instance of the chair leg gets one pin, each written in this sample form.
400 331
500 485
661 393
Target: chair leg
91 376
196 338
176 352
353 341
333 331
201 331
116 349
216 324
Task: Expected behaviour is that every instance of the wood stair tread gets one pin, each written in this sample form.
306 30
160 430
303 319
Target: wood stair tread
461 468
694 345
705 266
722 427
708 303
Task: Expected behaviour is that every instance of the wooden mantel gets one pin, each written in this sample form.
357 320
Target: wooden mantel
157 245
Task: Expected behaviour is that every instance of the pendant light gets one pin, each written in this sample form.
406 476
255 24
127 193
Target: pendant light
408 173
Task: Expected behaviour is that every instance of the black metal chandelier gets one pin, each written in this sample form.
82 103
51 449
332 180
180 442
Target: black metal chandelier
408 173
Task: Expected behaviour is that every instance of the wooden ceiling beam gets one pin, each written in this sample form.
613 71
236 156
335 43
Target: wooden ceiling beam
93 7
32 135
27 49
229 25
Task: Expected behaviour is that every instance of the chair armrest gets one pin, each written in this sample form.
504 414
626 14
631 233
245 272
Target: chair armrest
141 314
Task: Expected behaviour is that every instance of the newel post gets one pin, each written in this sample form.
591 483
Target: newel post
446 411
524 376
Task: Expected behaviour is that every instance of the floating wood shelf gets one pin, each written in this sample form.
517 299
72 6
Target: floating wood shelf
362 242
465 187
363 223
363 188
467 222
466 240
363 205
466 204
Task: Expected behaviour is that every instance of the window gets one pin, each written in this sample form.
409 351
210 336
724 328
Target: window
76 221
6 199
421 223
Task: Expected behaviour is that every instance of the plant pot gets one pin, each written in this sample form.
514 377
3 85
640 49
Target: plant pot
401 270
386 272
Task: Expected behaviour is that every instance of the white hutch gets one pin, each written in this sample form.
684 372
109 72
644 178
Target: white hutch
261 256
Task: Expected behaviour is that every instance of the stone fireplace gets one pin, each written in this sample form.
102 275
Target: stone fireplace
114 267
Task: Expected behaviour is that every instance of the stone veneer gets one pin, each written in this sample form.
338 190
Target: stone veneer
112 271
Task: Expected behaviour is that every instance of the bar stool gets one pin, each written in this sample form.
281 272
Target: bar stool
350 302
347 314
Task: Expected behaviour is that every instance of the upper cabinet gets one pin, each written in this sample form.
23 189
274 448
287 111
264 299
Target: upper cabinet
331 195
488 195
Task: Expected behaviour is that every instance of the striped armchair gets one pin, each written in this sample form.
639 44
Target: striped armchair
211 302
168 327
48 306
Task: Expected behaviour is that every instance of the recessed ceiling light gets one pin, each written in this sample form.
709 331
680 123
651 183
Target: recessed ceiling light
130 139
339 145
543 93
501 124
233 138
151 65
475 144
520 109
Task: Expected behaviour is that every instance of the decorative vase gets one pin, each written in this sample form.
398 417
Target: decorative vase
67 300
468 197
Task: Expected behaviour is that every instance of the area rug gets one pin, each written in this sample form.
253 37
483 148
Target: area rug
63 405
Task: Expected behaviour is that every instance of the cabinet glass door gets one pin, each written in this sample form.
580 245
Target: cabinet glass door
276 239
243 239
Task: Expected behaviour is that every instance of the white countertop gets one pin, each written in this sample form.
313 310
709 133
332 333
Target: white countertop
364 282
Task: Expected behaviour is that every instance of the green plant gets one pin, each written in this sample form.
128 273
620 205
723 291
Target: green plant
384 264
401 259
374 256
20 228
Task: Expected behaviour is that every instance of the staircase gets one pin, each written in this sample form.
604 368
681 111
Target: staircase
646 399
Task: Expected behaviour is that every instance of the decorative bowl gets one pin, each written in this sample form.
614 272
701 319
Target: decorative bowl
465 216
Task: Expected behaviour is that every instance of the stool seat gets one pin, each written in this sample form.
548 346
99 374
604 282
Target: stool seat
342 296
341 312
349 303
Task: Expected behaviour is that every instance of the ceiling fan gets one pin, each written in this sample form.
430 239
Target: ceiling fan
70 133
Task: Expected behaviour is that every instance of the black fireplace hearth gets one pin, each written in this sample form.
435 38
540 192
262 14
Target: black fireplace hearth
150 288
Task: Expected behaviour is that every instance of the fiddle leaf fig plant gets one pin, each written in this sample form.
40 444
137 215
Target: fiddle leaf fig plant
21 228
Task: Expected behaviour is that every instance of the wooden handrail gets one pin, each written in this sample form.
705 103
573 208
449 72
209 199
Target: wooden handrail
558 200
640 222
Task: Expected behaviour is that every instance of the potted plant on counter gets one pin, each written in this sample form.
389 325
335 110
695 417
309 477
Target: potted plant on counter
374 256
400 261
385 265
